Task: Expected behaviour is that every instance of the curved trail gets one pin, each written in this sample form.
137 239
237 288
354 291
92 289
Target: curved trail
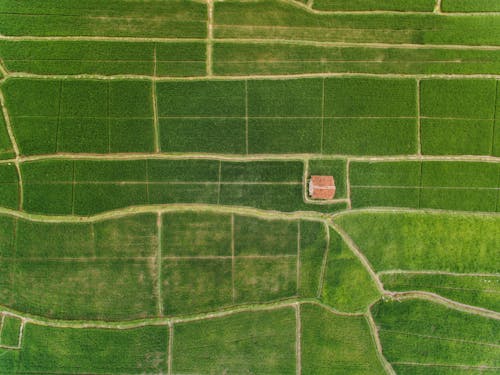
433 297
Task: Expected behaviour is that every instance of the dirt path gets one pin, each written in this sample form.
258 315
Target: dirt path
401 296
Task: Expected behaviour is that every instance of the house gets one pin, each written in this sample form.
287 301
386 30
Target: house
322 187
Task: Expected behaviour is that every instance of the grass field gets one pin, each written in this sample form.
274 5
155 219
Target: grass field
155 208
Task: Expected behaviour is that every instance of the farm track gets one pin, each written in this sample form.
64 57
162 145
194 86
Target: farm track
295 42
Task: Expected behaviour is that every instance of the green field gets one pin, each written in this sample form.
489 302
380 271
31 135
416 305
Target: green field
147 265
450 185
156 192
417 333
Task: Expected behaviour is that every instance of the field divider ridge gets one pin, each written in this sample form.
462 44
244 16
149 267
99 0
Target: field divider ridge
437 272
324 262
376 340
233 265
419 119
298 339
15 148
215 77
359 254
155 104
170 347
298 258
210 37
433 297
159 226
251 157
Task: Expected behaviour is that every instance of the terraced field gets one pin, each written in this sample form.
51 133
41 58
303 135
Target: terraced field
154 166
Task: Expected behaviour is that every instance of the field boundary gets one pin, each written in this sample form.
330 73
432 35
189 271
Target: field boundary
433 297
298 340
170 347
252 157
359 254
374 333
324 261
159 228
215 77
437 272
15 148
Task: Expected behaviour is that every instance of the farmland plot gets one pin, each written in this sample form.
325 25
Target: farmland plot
450 255
467 186
148 265
83 187
154 167
418 334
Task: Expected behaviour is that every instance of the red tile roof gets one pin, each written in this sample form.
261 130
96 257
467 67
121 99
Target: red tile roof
322 187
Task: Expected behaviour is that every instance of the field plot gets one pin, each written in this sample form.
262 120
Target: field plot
177 18
81 115
448 254
466 186
344 273
481 290
147 265
9 186
336 343
104 57
250 342
457 116
417 335
340 116
274 57
6 150
470 6
10 332
395 5
89 350
279 20
83 187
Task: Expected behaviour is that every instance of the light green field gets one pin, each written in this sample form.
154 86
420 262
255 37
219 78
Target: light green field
418 241
417 333
336 343
78 351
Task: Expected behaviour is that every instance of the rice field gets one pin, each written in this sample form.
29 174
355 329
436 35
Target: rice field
156 212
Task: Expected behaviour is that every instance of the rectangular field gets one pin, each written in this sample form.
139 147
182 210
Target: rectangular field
83 187
417 333
104 57
253 342
146 265
336 343
451 185
267 58
88 350
417 241
172 19
278 20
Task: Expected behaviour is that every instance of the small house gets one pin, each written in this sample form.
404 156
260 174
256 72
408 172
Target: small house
322 187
